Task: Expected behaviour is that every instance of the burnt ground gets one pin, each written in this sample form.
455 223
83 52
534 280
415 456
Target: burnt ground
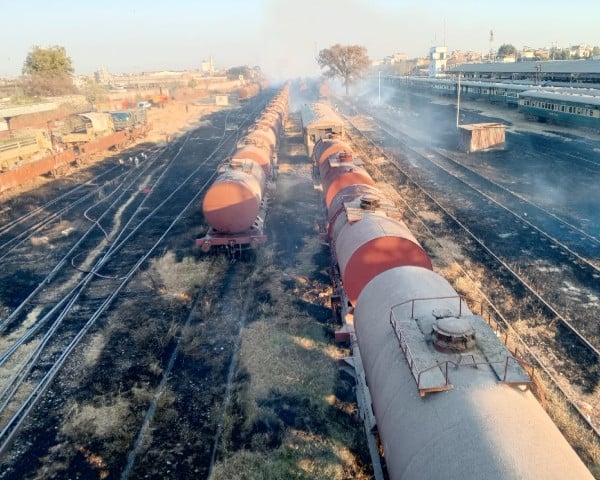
209 367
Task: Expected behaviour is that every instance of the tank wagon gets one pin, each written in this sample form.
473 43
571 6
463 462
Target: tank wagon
445 395
235 205
574 107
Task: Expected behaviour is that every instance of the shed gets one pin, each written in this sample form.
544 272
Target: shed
482 136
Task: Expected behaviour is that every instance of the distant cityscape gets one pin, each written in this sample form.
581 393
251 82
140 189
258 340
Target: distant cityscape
401 64
396 63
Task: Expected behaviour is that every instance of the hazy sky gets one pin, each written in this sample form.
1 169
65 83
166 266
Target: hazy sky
281 36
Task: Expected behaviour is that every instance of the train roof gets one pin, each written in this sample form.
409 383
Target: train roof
319 115
506 86
477 83
548 66
588 96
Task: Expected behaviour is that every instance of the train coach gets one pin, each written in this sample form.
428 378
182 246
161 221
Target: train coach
494 92
571 107
446 396
578 108
235 205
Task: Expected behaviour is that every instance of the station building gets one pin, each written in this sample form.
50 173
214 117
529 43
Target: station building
576 73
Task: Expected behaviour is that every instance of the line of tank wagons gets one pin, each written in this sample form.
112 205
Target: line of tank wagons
235 204
447 397
576 107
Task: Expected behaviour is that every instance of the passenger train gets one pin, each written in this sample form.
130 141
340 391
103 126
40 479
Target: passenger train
448 399
575 107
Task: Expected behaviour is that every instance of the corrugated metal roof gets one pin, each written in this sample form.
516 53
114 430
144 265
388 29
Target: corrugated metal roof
318 114
550 66
26 109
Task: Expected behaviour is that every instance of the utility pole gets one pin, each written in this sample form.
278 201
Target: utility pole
379 90
458 99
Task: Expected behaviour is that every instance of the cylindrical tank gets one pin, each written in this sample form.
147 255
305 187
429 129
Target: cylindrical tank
232 202
326 147
264 135
271 120
350 193
335 176
372 245
480 429
259 153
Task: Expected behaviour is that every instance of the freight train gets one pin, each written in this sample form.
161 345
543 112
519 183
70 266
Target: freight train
27 146
52 161
446 396
575 107
235 204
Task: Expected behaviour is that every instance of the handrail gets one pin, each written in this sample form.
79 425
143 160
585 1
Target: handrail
443 366
413 300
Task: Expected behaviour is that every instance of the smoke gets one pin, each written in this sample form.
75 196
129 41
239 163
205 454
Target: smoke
293 36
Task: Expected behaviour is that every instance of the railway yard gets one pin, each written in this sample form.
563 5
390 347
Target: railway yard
126 351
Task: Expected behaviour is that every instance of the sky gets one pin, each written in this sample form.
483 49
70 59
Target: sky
283 37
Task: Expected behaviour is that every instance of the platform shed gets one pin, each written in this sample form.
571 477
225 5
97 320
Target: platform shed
475 137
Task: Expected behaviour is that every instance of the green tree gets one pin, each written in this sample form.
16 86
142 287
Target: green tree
47 61
48 71
348 62
559 54
246 71
506 50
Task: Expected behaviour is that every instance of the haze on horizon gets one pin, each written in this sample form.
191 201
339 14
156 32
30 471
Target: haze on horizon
282 37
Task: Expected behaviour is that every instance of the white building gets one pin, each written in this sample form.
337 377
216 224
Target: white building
437 60
208 66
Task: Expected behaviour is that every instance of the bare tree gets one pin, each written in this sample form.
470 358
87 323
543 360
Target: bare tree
348 62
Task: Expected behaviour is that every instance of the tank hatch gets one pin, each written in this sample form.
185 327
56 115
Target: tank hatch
369 202
453 335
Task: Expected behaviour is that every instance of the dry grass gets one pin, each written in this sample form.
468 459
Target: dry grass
99 421
299 364
288 408
576 432
302 455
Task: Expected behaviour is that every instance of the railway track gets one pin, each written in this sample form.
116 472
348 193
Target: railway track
569 340
490 208
131 228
